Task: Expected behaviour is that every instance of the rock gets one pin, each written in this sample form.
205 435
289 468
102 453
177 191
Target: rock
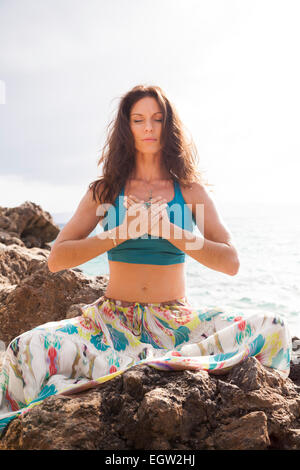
17 262
158 414
31 295
145 408
85 411
29 223
250 432
10 238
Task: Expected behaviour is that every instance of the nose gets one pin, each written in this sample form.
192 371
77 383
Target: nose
148 125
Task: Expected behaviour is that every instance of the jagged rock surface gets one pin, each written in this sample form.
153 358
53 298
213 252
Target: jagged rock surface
27 225
251 408
31 295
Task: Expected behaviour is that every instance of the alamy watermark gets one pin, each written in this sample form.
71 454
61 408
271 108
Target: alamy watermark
2 92
180 216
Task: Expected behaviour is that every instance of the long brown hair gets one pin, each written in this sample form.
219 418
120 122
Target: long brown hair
179 156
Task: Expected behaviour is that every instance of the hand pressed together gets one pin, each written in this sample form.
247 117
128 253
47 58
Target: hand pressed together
140 219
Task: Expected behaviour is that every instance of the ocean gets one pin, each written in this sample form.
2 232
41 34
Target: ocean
267 238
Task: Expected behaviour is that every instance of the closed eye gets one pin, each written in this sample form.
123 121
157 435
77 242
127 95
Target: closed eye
158 120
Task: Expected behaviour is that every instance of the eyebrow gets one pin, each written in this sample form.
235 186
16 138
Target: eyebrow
138 114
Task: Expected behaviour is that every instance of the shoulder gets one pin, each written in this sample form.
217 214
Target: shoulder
206 213
198 198
195 193
94 192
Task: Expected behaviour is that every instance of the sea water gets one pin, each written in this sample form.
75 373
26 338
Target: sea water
267 238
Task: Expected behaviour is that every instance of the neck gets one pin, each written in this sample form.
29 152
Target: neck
149 168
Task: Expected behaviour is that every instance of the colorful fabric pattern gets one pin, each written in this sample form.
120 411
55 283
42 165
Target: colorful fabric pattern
110 336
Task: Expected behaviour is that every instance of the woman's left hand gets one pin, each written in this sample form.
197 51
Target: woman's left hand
160 225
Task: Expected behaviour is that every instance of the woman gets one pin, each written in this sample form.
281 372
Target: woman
149 200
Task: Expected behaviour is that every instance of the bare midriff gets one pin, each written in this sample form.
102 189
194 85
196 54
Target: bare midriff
146 283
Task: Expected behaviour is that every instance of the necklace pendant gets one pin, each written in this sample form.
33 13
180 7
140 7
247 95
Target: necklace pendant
148 203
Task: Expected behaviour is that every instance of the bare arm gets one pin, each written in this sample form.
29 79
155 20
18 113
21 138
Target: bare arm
72 247
219 256
214 248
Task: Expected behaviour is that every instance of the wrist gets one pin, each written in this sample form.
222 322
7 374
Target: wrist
111 236
181 237
118 235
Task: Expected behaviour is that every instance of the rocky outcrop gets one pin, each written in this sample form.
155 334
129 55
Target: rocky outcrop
38 296
249 408
30 294
27 225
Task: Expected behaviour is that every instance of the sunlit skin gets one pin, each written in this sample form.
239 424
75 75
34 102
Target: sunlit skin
139 281
146 122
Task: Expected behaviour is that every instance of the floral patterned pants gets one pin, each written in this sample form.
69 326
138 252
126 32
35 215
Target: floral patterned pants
111 336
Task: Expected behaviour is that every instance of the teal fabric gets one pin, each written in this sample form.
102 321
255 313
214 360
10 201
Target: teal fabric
148 249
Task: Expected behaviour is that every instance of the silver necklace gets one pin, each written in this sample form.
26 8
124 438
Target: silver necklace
148 203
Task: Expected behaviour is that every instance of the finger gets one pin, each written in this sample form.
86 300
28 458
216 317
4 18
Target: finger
155 217
129 202
138 205
137 208
155 222
160 213
158 199
158 203
158 207
134 198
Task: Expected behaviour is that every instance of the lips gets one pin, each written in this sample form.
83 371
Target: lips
151 140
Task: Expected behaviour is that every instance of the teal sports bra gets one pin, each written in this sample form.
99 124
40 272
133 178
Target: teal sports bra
149 249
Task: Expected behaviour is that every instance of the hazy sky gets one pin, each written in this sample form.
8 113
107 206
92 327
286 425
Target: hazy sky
230 67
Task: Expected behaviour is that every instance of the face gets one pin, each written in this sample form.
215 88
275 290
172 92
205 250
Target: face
146 124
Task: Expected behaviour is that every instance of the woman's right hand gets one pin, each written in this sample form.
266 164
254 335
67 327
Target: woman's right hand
139 218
